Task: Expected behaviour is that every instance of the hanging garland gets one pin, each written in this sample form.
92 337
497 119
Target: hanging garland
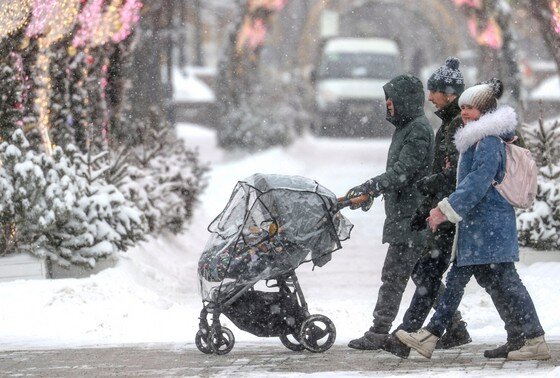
13 14
130 15
89 20
102 22
110 24
99 26
51 20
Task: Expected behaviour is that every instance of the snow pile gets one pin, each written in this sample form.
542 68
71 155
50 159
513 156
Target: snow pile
152 294
188 88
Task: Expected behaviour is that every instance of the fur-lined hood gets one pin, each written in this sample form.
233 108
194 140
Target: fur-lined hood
501 122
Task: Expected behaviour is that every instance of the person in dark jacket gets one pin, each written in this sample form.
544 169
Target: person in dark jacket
486 239
409 159
445 86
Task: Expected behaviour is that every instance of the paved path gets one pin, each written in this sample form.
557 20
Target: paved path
260 360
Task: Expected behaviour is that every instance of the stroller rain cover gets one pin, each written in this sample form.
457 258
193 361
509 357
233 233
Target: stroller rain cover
270 225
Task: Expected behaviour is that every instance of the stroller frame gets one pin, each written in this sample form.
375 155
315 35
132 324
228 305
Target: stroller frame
270 226
291 322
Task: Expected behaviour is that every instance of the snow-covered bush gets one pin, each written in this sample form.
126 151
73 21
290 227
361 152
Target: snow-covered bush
539 226
52 206
163 179
270 115
114 221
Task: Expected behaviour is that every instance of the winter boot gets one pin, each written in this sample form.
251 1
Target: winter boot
369 341
454 336
422 341
503 350
395 346
533 349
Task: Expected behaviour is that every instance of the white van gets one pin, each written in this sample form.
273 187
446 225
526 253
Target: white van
349 83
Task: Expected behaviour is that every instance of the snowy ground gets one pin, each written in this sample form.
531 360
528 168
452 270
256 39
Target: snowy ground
152 294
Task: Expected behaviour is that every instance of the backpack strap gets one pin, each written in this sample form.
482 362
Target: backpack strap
500 174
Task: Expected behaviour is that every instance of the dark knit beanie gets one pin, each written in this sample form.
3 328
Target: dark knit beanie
483 96
448 78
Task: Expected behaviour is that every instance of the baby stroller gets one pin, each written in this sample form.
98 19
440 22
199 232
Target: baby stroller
271 225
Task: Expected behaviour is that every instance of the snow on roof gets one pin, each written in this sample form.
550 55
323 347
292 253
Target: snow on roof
353 45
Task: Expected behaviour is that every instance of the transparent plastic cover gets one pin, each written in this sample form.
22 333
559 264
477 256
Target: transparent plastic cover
270 225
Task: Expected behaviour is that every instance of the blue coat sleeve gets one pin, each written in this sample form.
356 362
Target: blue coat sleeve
474 186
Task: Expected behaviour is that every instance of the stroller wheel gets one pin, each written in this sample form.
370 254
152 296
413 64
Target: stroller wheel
295 345
202 343
317 333
221 341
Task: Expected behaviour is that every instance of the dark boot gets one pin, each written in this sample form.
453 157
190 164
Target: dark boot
454 336
395 346
369 341
503 350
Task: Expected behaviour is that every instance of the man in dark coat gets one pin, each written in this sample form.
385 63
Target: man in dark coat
409 159
445 86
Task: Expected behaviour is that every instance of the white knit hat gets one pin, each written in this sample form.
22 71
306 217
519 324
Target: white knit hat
483 96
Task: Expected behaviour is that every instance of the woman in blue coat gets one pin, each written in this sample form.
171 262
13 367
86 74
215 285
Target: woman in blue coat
486 239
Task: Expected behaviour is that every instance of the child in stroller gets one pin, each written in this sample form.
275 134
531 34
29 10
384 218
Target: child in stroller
271 225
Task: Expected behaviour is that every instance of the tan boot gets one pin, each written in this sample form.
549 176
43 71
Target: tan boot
533 349
422 341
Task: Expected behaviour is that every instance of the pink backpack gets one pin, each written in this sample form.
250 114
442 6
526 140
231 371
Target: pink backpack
519 186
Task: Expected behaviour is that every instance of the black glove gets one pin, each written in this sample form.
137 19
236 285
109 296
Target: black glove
366 205
418 221
365 188
423 184
356 191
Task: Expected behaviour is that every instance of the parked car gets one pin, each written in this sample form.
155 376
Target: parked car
348 84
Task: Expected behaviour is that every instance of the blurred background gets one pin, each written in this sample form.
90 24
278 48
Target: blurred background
499 38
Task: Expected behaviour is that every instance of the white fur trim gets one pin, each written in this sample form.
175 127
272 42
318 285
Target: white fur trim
446 209
455 244
502 120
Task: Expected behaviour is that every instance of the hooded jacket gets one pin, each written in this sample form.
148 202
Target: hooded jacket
409 159
486 231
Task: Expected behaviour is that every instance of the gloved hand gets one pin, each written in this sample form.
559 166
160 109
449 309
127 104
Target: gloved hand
366 205
356 191
365 188
423 185
418 221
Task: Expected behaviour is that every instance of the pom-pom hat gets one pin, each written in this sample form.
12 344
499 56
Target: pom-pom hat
483 96
447 78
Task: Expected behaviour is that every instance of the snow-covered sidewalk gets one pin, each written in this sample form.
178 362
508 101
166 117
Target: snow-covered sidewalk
152 294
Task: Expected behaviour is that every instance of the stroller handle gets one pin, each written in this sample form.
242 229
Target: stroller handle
344 202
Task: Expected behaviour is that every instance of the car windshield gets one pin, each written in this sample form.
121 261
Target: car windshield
358 65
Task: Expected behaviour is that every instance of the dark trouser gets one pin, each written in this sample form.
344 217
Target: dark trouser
427 275
399 262
515 305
